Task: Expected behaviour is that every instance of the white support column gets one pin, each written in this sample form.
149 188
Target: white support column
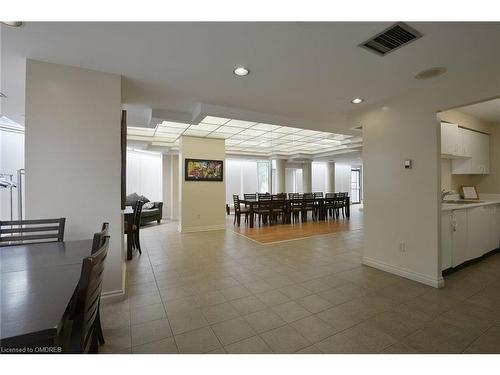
330 177
174 190
280 176
307 177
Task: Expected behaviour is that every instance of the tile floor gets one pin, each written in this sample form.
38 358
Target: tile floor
218 292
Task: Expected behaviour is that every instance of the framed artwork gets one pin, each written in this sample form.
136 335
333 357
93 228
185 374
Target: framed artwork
469 192
203 170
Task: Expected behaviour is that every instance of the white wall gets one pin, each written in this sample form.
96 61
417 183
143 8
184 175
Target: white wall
402 205
202 202
319 176
342 178
144 174
11 159
73 154
167 186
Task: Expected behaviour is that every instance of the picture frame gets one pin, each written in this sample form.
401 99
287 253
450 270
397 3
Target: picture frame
203 170
469 192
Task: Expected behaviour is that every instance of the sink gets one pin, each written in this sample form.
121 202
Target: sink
461 201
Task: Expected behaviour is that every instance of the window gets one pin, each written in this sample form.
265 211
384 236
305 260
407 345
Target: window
356 185
263 176
246 176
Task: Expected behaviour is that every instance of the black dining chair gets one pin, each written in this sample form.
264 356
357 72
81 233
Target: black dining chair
136 224
15 232
329 205
309 205
81 323
97 243
340 204
238 210
263 208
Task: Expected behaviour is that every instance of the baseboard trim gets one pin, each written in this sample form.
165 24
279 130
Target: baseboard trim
202 228
415 276
114 294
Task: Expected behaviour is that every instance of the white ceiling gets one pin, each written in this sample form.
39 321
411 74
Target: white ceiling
487 111
306 73
248 138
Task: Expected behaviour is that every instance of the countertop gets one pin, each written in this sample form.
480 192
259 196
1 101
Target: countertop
485 200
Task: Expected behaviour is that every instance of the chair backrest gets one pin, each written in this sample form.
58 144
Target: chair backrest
236 201
318 194
100 237
264 196
137 213
87 298
16 232
308 196
329 195
250 196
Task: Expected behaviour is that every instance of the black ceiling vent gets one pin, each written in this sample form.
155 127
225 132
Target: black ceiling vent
390 39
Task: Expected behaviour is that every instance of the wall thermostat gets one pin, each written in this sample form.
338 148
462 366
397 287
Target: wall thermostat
408 164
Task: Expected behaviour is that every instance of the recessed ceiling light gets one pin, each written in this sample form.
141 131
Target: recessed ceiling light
431 73
241 71
12 23
357 101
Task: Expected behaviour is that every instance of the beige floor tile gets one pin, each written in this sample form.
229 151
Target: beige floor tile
219 313
252 345
235 292
489 342
147 313
165 346
314 303
399 348
233 330
335 297
117 338
181 304
209 298
344 316
290 311
264 320
273 297
151 331
199 341
258 286
285 339
145 299
187 321
295 291
313 328
247 305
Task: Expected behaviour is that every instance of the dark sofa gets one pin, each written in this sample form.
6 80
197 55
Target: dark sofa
148 214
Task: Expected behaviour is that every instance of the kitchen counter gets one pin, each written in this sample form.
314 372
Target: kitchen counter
485 200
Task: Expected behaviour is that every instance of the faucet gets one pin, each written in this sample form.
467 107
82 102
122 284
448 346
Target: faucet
444 193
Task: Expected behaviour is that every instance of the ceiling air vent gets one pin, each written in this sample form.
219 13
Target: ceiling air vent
391 39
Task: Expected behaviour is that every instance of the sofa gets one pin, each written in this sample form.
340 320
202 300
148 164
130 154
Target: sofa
151 211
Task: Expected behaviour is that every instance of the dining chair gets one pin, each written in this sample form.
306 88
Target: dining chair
136 224
250 196
97 243
318 194
263 208
329 205
238 210
340 203
309 205
15 232
82 321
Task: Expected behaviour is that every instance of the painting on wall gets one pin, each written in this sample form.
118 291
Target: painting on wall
204 170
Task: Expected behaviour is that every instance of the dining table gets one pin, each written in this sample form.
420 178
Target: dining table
252 203
37 282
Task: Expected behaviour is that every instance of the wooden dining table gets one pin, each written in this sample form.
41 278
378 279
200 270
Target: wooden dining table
36 285
253 203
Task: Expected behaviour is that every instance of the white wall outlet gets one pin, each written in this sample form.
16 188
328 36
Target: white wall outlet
402 247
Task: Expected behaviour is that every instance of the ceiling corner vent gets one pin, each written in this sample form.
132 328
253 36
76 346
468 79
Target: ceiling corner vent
396 36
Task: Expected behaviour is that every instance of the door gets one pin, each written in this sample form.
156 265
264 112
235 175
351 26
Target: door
356 185
449 139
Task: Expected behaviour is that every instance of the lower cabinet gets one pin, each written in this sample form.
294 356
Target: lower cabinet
468 234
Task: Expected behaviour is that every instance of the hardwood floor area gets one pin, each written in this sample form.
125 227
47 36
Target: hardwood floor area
267 234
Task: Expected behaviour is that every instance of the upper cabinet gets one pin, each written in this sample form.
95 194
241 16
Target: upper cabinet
470 150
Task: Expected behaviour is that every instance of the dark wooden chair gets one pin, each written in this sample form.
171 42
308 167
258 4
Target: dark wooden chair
278 208
16 232
238 210
263 208
136 225
250 196
97 243
297 205
83 337
329 205
309 205
318 194
340 203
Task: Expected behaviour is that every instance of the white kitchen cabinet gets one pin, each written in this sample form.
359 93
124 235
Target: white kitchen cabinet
494 238
459 237
478 231
449 139
446 239
475 150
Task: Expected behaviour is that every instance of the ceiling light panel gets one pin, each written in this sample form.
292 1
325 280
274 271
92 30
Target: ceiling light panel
240 124
265 127
286 130
215 120
177 125
196 133
219 135
205 127
252 132
229 129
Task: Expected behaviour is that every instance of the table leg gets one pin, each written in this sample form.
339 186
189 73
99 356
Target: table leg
348 207
251 215
129 239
